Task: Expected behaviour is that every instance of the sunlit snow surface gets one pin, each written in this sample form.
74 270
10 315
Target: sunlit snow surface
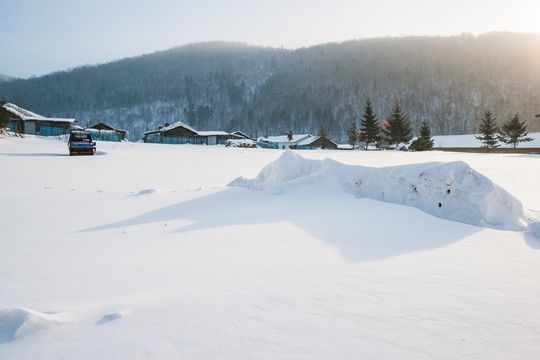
143 252
452 190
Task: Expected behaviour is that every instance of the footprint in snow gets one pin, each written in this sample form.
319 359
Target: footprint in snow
110 317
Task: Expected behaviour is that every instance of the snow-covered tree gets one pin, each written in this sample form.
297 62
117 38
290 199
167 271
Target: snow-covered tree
488 131
513 132
424 141
369 125
352 134
398 129
322 132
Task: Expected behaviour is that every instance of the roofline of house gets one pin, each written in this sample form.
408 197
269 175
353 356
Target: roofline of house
27 115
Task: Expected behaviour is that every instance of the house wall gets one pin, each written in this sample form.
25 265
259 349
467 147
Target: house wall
16 125
153 138
180 132
183 140
104 135
52 128
102 126
267 145
285 145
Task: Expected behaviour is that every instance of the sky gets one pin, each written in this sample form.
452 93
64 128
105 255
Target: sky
40 37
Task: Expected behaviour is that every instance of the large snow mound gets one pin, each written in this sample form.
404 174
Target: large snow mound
19 322
452 191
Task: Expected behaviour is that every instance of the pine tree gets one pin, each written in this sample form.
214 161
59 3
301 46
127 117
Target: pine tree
322 137
399 128
513 132
352 134
322 132
369 125
424 141
488 130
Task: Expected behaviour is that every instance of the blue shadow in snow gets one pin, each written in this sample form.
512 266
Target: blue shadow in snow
33 154
360 228
98 153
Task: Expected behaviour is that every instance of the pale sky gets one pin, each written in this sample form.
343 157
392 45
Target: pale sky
43 36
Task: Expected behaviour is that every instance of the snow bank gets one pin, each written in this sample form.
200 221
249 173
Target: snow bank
18 322
451 191
534 228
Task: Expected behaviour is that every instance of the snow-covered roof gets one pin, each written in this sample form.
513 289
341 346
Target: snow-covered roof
308 141
29 115
185 126
240 133
178 124
213 133
108 127
171 127
285 138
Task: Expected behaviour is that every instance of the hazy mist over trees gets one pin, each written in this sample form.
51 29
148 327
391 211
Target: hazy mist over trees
448 82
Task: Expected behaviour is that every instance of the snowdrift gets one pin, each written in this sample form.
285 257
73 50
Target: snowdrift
19 322
452 191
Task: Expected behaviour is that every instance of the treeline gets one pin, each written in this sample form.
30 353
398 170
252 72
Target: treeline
447 82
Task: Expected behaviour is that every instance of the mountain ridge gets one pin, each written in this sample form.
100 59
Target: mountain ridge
448 81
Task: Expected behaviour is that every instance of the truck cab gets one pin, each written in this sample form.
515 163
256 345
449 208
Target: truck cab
80 143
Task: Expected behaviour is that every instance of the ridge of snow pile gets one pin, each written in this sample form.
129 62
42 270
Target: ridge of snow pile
18 322
452 191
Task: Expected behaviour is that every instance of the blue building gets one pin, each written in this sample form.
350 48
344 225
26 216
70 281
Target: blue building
24 121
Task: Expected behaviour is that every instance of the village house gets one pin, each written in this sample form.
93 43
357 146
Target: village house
299 142
26 122
288 141
105 132
180 133
241 135
316 142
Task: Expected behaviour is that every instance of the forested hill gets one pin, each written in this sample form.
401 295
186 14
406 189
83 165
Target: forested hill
5 78
448 81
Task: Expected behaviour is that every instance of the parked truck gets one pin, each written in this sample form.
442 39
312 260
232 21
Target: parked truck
80 143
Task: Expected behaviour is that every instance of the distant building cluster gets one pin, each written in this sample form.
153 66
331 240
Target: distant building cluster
23 121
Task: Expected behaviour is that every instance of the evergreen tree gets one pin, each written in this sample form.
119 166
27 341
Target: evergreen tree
322 132
513 132
424 141
322 136
488 131
352 134
369 125
399 128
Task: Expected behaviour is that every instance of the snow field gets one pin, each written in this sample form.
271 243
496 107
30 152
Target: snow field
143 252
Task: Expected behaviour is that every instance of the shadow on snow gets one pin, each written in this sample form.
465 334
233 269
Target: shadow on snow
362 229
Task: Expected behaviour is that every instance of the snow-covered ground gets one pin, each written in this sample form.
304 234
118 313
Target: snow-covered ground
150 251
470 141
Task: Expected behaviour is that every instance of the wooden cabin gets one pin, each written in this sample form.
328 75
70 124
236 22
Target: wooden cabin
177 133
242 135
107 133
316 142
288 141
27 122
180 133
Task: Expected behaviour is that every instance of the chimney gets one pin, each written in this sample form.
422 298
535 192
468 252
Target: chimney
167 124
289 135
160 127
